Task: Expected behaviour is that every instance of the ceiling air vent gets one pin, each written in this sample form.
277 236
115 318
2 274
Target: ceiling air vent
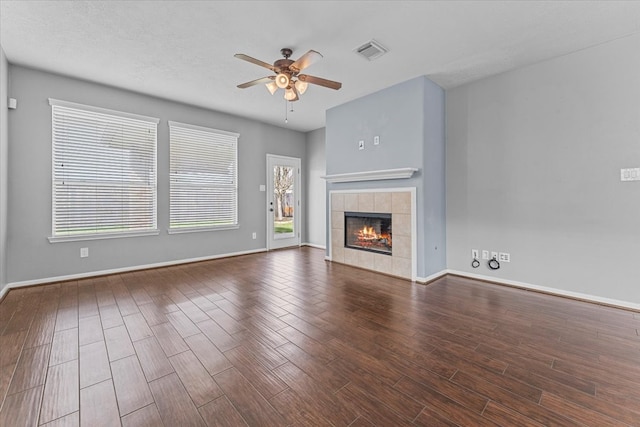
371 50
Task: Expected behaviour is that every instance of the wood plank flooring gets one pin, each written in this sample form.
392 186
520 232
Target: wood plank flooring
285 338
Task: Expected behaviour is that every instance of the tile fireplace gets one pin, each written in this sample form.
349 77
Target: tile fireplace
374 229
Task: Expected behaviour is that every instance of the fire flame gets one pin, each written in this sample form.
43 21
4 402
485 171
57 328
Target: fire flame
367 237
368 233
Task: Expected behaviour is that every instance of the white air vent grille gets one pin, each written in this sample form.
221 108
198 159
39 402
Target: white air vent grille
371 50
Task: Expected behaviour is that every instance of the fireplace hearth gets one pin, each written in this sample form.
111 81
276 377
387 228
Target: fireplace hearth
368 232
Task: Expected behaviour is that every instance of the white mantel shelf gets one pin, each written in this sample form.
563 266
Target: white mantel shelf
401 173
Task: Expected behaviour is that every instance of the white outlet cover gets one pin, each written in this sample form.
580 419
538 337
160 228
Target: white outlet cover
263 187
376 140
474 253
485 254
630 174
494 255
360 145
504 257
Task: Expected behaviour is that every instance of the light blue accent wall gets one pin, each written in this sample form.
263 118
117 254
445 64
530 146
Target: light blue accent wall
409 119
433 175
395 114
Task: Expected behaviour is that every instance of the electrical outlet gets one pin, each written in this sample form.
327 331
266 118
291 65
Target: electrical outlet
361 145
485 254
630 174
504 257
474 253
376 140
254 235
84 252
494 255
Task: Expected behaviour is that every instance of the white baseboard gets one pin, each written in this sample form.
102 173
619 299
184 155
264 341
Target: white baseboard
432 277
553 291
313 245
22 284
528 286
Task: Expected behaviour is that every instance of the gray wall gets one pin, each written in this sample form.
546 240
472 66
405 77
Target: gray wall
32 257
408 138
4 145
315 194
533 169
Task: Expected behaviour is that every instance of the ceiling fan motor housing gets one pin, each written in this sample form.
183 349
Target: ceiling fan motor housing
283 79
282 65
286 52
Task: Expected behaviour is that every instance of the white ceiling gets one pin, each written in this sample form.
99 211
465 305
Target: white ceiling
183 50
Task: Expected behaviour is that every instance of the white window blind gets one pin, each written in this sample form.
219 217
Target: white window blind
204 171
104 172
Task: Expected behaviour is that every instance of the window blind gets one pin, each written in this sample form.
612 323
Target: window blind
204 170
104 171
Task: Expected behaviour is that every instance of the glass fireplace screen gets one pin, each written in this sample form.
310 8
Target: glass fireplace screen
368 232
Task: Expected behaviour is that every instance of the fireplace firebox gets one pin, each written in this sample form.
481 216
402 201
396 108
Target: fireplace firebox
368 232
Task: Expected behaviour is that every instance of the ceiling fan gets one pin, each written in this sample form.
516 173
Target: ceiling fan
288 75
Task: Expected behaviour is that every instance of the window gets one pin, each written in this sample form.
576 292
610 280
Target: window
104 173
204 186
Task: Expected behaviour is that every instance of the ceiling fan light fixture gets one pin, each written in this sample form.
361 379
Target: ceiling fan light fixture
282 80
301 86
290 94
272 87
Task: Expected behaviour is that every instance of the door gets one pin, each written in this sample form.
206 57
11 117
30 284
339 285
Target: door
283 201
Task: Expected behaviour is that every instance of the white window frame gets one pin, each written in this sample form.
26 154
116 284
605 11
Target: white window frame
102 113
202 135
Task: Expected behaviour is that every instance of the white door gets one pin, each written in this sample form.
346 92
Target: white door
283 201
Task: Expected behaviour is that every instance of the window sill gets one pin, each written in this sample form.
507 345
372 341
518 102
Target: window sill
203 229
78 238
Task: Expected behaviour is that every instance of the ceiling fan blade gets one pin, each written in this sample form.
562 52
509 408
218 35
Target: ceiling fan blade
320 82
305 60
254 61
257 82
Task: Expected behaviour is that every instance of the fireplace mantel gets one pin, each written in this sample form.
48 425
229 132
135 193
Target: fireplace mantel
401 173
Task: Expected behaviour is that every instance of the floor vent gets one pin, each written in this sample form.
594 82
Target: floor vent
371 50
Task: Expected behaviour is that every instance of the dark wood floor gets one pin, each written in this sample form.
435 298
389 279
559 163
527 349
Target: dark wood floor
284 338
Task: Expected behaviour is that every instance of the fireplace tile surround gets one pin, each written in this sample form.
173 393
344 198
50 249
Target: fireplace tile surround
401 204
